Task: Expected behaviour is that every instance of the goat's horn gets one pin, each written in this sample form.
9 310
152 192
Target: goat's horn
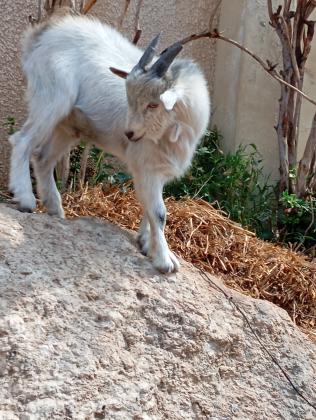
166 58
149 53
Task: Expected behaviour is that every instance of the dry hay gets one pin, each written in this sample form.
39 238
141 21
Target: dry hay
206 237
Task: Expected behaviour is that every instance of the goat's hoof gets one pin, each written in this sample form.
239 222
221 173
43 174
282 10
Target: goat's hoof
25 209
167 264
60 215
26 204
143 243
59 212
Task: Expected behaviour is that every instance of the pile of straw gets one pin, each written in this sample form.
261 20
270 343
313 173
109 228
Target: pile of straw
206 237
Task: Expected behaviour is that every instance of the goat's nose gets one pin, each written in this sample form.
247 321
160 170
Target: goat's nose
129 134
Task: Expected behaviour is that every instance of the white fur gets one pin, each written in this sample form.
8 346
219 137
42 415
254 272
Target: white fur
67 68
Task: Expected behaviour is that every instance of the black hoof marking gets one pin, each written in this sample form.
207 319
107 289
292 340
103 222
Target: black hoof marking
25 210
140 243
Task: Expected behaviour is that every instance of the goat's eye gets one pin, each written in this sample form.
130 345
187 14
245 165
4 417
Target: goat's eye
152 105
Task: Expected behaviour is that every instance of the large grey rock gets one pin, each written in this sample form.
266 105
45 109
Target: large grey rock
89 330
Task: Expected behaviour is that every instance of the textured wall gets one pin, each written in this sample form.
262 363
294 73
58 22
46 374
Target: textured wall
13 19
246 97
176 18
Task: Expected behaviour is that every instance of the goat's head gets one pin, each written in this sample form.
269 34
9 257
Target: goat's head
150 93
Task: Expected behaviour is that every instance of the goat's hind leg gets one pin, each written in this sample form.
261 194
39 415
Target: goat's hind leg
44 162
20 181
34 135
45 113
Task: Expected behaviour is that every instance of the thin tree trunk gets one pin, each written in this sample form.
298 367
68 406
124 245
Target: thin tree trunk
295 33
292 129
65 171
296 122
84 162
312 175
285 118
284 121
283 151
307 163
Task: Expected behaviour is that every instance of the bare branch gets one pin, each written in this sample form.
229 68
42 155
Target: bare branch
284 34
311 4
123 15
287 7
39 11
120 21
138 31
81 6
268 68
52 5
47 5
270 10
213 14
88 6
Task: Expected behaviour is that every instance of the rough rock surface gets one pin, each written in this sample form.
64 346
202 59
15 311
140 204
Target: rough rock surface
89 330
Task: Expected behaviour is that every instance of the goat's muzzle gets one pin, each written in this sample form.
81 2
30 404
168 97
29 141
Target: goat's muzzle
130 136
135 140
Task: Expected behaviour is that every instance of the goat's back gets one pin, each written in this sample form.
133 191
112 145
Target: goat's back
79 38
67 59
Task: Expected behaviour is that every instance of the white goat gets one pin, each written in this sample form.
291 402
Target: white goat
153 121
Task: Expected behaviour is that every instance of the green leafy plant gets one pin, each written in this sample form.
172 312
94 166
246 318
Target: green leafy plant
297 220
10 125
234 182
105 171
98 168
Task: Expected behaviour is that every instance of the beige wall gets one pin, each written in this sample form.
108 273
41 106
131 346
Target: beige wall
175 18
246 97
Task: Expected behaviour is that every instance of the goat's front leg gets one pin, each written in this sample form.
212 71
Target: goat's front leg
149 191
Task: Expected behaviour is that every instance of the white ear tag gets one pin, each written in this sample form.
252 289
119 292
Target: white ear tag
169 98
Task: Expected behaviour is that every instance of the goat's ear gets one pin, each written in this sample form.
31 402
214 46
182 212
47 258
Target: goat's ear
181 131
120 73
170 97
175 133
